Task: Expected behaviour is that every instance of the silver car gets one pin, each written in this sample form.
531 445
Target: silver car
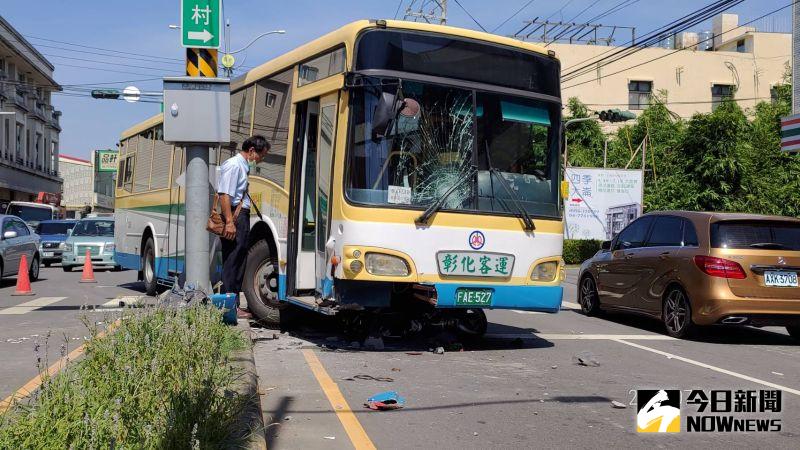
17 239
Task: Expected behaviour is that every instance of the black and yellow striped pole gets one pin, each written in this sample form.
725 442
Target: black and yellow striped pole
201 62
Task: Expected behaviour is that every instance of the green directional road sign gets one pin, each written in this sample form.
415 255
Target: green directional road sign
201 23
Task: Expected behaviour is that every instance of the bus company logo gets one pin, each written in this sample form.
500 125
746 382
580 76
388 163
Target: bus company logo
477 240
658 411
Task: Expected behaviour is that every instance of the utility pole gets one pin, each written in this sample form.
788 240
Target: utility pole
197 116
429 11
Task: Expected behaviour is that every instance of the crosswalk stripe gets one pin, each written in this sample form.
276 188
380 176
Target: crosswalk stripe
580 337
32 305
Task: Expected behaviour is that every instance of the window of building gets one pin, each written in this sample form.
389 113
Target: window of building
270 101
720 92
740 46
18 153
639 93
322 67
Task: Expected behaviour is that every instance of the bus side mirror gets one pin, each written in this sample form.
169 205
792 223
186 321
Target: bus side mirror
69 232
606 245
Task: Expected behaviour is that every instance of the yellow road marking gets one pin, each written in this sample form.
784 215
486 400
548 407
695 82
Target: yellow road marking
36 381
349 421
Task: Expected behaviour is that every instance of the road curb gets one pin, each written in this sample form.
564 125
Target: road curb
250 423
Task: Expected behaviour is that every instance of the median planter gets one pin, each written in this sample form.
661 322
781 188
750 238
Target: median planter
165 378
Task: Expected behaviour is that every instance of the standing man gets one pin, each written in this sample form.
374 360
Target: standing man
232 190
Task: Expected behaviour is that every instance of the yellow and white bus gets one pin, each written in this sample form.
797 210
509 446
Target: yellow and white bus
414 167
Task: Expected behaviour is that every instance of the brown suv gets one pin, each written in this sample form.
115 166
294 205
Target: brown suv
696 268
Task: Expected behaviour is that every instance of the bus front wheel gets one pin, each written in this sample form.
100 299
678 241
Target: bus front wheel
261 283
149 267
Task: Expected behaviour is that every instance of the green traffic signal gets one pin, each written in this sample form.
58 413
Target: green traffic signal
616 115
112 94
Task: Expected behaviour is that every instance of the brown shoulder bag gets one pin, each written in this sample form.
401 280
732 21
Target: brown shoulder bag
216 223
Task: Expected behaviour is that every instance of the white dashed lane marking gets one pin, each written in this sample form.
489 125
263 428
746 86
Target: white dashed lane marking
33 305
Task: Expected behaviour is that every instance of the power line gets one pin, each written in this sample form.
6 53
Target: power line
399 5
513 15
653 37
565 30
680 49
109 63
103 49
470 15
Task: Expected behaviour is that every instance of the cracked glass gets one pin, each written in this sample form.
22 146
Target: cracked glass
441 137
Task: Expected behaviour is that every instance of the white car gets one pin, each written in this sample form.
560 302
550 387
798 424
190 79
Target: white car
17 239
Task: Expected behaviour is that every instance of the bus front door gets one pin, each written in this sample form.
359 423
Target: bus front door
315 187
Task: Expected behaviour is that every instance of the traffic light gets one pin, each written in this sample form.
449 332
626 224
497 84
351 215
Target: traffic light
111 94
616 115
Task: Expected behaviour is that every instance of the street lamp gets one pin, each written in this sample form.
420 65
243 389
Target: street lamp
257 38
566 151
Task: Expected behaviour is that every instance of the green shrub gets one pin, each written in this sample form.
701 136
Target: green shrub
578 251
158 381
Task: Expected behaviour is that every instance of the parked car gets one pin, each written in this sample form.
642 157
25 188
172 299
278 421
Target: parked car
93 234
693 268
53 234
17 239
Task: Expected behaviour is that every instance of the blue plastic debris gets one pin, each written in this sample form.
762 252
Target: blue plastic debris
385 401
227 303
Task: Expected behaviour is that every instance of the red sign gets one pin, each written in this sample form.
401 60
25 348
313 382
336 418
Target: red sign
48 198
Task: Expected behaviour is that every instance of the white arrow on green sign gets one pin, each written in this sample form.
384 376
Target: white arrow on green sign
201 23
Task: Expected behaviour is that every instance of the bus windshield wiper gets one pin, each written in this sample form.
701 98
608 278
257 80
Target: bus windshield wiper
768 245
522 213
437 205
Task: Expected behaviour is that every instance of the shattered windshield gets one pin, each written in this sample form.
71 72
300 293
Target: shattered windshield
440 136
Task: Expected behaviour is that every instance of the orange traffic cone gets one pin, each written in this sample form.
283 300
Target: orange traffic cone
88 272
23 281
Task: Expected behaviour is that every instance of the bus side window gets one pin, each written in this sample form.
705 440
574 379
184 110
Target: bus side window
273 104
127 175
159 178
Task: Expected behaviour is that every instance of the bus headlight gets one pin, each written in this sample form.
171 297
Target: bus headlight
109 248
67 247
387 265
545 271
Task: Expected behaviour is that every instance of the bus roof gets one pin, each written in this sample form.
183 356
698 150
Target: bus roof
347 34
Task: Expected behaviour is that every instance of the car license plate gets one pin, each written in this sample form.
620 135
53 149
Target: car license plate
475 264
780 279
474 297
47 254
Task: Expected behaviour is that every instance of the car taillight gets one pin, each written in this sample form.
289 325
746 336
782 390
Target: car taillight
718 267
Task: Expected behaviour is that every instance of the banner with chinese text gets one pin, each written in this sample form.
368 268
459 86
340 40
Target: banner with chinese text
601 202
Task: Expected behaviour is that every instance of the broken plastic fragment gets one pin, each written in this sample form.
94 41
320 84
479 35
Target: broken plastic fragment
385 401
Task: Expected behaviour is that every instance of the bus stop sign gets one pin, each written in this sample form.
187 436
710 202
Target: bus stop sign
201 23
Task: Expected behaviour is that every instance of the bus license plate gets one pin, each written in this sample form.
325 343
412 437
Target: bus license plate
780 279
474 297
47 254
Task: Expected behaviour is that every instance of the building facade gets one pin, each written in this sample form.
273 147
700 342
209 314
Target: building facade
743 64
29 124
87 188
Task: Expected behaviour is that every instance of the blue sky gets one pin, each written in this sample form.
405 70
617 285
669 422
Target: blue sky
142 27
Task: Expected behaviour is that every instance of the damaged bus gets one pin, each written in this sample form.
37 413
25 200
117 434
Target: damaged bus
414 171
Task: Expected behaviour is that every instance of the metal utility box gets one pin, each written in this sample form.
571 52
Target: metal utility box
197 110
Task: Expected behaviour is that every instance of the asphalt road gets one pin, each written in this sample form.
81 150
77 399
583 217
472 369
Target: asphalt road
526 393
55 320
519 388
